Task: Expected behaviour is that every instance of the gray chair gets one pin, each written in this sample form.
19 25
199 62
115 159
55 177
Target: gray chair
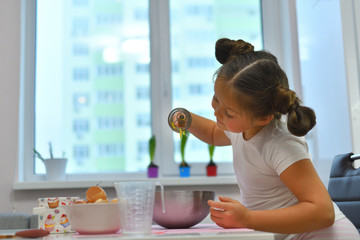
33 221
344 186
17 221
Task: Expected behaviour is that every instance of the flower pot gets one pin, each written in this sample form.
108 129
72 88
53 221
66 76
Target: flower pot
211 170
55 169
152 171
184 171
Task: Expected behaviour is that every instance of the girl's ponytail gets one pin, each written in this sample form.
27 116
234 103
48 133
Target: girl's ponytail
300 119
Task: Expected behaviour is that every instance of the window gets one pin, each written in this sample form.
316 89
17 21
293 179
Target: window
109 70
81 155
81 74
110 96
142 93
81 101
81 126
74 28
80 26
200 63
80 49
110 123
108 92
110 150
328 75
81 3
192 54
198 90
106 19
107 39
143 120
142 68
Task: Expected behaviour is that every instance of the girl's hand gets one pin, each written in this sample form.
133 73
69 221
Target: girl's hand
228 213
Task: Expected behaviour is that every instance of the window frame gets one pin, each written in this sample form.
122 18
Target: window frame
161 98
350 14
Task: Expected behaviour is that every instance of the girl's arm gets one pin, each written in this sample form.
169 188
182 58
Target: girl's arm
207 131
314 210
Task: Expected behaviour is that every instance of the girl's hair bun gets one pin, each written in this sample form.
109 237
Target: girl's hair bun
226 49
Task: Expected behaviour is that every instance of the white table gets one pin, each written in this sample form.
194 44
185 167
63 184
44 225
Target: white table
199 232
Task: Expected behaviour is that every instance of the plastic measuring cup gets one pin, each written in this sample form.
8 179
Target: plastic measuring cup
136 202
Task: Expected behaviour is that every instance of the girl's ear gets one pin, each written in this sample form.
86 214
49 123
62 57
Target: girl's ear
265 120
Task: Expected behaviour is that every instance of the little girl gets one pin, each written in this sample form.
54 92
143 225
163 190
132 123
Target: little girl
263 120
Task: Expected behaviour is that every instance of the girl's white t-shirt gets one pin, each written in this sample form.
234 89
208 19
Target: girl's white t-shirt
259 162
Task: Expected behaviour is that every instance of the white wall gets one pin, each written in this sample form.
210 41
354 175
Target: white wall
9 97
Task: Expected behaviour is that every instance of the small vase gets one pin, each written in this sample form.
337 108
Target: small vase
211 170
152 171
184 170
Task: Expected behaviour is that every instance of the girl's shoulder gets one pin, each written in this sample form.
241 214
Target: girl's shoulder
279 136
281 148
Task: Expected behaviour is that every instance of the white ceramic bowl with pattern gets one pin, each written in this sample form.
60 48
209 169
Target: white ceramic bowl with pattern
94 218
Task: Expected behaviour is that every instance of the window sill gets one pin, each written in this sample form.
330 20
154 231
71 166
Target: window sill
166 181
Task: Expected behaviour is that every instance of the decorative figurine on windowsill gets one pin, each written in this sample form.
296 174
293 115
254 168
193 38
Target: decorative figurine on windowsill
152 169
211 168
184 168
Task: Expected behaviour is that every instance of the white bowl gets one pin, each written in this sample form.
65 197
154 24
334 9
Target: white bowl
94 218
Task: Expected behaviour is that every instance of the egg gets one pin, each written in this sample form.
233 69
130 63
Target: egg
95 193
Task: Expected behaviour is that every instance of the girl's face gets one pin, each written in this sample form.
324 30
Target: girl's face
229 116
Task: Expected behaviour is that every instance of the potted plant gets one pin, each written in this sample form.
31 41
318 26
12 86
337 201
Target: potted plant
184 168
211 168
55 167
152 169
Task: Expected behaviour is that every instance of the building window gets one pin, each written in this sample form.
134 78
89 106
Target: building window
81 101
109 19
142 93
81 74
203 11
110 96
143 120
141 14
81 154
80 49
80 26
110 150
142 68
142 147
109 70
81 3
110 123
201 62
81 126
